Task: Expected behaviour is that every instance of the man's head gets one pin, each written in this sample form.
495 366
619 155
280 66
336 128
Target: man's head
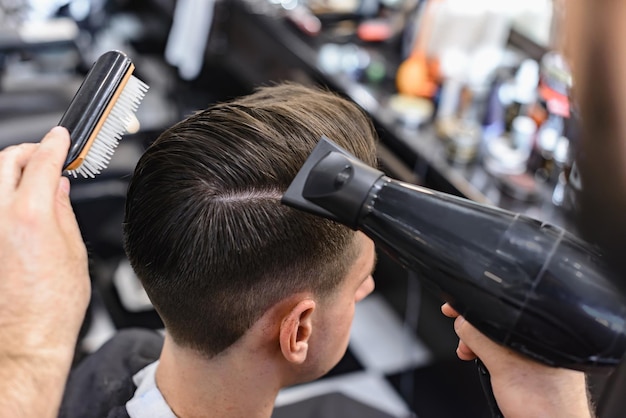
205 230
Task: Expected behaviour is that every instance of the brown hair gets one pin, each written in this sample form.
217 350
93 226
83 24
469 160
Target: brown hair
204 228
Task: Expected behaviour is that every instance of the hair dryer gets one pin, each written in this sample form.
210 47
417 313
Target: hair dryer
527 285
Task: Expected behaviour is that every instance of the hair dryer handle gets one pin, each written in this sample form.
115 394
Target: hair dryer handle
485 382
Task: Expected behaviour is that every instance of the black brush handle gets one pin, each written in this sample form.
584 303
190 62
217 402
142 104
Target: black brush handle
92 98
485 382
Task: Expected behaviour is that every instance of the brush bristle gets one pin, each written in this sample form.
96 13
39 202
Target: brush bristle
114 126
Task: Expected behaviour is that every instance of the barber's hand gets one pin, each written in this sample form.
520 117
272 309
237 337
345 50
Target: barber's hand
44 279
522 387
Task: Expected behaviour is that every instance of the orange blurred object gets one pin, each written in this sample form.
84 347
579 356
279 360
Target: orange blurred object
413 77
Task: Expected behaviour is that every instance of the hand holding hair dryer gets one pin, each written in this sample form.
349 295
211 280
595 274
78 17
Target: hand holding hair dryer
527 285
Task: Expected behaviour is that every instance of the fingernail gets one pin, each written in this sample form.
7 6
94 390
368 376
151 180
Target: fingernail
58 130
64 185
458 323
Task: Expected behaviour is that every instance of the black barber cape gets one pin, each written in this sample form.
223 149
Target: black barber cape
102 383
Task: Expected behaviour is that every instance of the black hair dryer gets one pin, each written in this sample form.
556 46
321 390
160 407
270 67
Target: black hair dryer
527 285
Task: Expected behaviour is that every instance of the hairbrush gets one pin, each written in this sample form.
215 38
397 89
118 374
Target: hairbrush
100 113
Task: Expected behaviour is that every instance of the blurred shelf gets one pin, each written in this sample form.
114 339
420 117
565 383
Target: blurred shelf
258 44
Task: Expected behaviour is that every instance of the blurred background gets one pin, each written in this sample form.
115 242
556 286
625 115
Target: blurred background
471 98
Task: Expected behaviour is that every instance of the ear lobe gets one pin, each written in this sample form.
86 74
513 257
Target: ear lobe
295 331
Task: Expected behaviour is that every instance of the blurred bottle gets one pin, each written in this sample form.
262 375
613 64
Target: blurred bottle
554 86
493 116
463 100
541 161
461 131
510 127
523 93
574 185
523 130
562 163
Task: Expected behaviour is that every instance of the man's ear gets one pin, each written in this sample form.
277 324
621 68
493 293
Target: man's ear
295 331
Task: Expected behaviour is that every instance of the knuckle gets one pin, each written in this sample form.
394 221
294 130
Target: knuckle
18 149
50 151
44 154
9 153
14 153
30 213
29 216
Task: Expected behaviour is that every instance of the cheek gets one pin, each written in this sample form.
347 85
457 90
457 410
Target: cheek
338 337
343 324
337 324
336 327
332 340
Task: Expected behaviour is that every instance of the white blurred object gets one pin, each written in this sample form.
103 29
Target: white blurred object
44 9
129 288
133 125
534 19
484 61
41 10
467 24
335 6
479 30
453 62
53 30
523 133
189 35
380 341
12 13
453 65
526 81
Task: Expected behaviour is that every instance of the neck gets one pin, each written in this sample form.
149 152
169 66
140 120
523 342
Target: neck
236 383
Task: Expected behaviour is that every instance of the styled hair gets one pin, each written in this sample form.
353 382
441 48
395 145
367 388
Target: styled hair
204 228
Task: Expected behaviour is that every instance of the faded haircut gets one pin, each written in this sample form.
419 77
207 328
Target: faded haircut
204 228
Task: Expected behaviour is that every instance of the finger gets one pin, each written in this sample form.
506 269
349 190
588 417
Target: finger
65 212
12 162
464 352
475 341
448 311
40 178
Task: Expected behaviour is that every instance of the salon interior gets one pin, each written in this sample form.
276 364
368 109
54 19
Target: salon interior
469 98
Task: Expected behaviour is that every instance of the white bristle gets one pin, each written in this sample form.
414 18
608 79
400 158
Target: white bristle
114 126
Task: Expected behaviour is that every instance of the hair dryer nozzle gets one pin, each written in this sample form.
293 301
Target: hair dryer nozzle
525 284
333 184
